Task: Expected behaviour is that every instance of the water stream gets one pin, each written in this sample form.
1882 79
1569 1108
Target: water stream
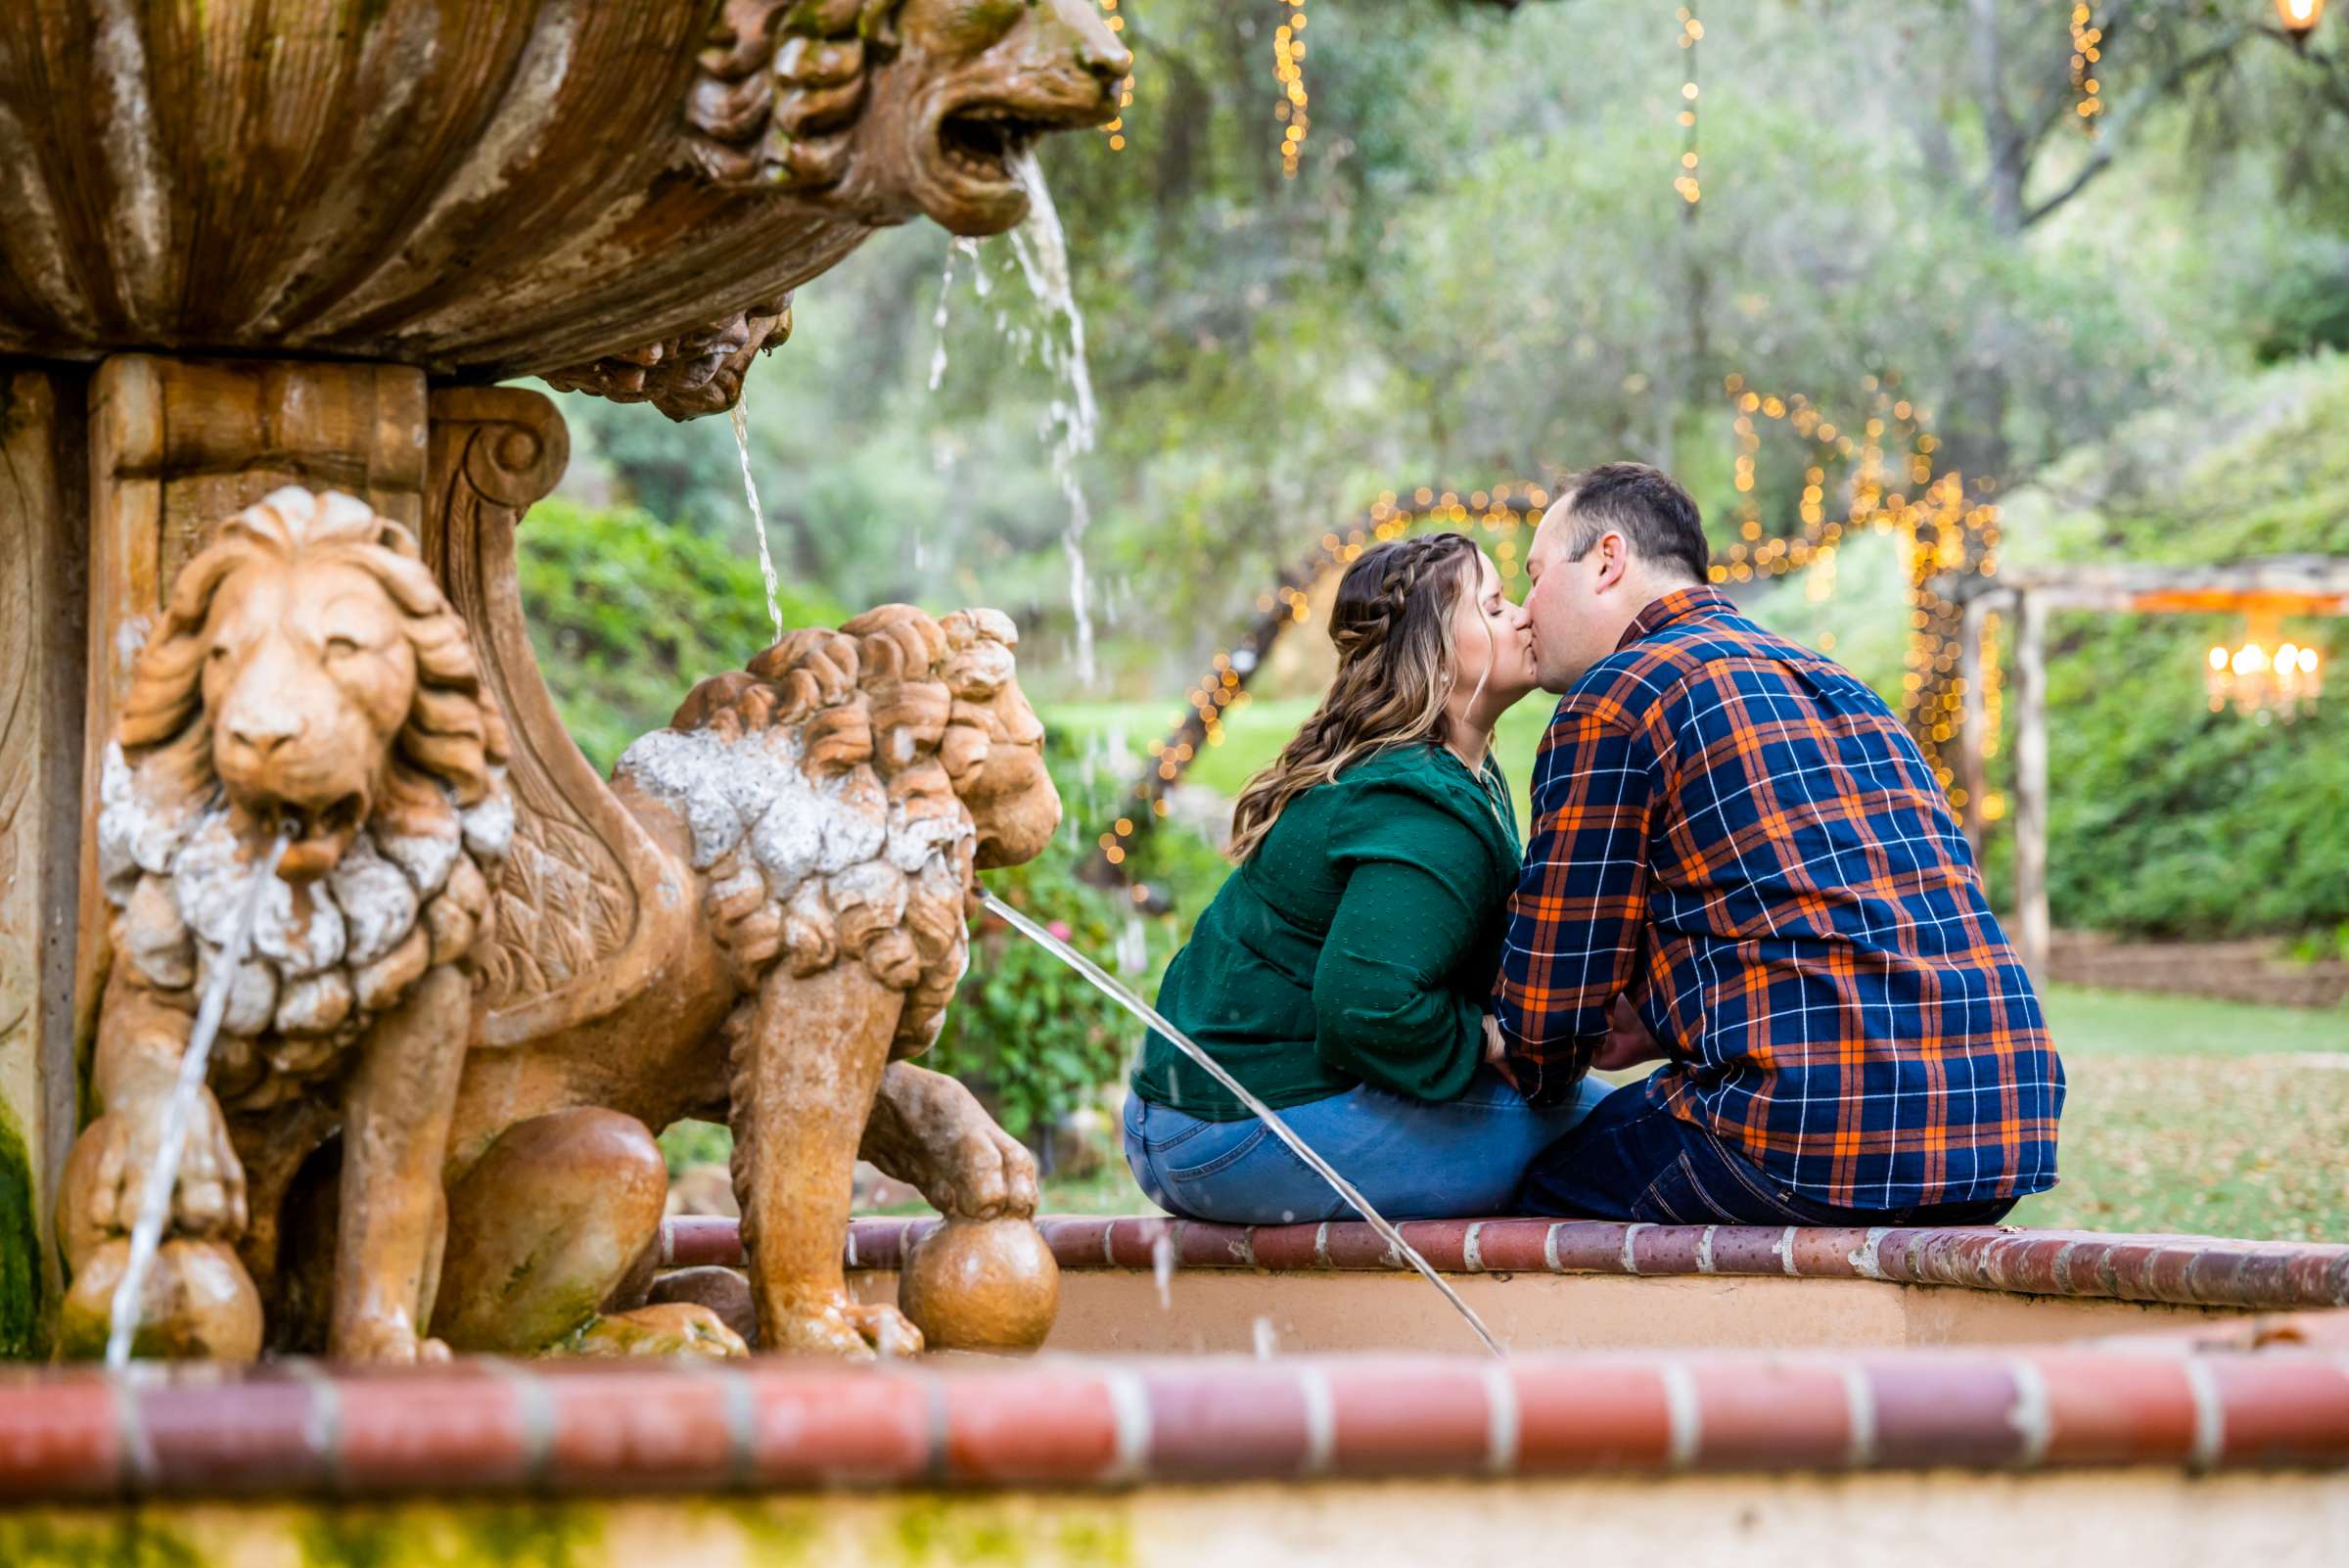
750 490
1281 1130
1041 246
163 1176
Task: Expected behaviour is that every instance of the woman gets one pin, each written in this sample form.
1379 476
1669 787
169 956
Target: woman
1342 970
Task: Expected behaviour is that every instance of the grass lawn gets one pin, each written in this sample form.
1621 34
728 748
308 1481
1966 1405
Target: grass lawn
2200 1116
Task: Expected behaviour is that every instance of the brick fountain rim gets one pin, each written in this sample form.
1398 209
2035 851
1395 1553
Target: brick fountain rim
2265 1392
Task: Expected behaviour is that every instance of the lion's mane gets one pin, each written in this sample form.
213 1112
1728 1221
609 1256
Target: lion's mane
413 889
780 87
819 786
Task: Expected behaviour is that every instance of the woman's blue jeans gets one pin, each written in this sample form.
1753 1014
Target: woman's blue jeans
1410 1159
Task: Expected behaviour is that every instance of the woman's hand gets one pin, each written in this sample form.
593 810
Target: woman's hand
1494 1044
1628 1044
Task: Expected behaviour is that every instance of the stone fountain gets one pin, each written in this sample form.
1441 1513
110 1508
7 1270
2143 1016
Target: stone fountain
261 269
269 264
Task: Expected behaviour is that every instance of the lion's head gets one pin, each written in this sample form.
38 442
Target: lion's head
883 106
842 790
308 681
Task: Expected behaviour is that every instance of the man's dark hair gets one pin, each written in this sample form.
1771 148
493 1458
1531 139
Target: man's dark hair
1643 506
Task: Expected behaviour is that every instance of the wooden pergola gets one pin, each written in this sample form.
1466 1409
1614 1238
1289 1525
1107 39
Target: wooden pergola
2301 585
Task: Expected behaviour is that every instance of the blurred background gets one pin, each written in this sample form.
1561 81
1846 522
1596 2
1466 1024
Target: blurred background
1900 291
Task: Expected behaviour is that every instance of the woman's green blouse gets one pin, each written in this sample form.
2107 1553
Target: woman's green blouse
1357 945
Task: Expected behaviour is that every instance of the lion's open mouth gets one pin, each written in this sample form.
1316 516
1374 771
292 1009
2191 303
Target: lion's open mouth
981 141
315 835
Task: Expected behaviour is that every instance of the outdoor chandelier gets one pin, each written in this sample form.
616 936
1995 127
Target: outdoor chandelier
2300 18
2264 676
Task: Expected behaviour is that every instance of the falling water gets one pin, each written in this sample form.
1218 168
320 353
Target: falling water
1162 1267
1281 1130
750 490
163 1176
1042 249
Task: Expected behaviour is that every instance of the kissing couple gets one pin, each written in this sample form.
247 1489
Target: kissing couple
1740 868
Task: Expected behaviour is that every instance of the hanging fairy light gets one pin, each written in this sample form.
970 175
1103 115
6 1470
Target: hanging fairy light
1288 68
2086 49
1115 129
2265 674
1685 181
2299 19
1875 468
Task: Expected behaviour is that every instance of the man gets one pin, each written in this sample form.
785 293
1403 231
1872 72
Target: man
1741 866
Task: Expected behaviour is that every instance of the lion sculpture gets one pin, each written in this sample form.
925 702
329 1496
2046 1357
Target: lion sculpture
822 813
308 680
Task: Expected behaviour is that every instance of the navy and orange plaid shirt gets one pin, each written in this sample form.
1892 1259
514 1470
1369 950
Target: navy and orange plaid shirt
1737 833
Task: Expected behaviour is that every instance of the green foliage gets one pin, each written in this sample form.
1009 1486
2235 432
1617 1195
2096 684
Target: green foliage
2166 819
1029 1035
626 612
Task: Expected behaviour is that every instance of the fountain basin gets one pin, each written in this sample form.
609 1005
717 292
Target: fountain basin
1964 1389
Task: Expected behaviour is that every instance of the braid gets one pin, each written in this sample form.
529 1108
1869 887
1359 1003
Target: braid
1391 626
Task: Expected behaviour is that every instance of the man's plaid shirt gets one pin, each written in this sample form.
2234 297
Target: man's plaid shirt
1739 835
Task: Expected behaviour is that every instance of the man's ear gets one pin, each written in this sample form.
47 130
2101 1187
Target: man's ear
1614 560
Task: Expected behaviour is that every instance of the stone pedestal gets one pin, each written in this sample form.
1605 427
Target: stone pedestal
109 481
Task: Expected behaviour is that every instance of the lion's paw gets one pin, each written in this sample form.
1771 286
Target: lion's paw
208 1198
849 1330
669 1328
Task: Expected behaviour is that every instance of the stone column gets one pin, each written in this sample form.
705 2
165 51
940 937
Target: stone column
42 511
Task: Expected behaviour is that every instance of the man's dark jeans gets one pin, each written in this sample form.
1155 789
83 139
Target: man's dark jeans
1630 1160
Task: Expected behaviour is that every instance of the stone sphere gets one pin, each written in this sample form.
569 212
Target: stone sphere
981 1285
199 1304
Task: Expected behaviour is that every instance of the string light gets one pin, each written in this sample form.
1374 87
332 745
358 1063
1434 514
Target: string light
1883 468
2257 681
1288 68
1115 129
2086 49
1685 181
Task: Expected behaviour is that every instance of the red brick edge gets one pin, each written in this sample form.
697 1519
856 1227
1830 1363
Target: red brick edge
595 1429
2192 1270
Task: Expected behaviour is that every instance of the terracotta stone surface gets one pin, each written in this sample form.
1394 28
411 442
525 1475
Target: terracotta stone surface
560 182
1794 1414
829 1428
307 680
1396 1418
1214 1418
1945 1409
693 373
760 912
1591 1414
604 1429
42 501
2114 1409
981 1285
1055 1424
59 1437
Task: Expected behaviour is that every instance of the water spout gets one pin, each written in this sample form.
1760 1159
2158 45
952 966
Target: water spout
750 490
1281 1130
163 1176
1041 246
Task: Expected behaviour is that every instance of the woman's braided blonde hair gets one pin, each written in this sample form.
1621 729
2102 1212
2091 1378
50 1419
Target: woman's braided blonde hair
1392 624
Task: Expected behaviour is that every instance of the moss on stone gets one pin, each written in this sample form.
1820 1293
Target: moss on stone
21 1329
439 1536
130 1539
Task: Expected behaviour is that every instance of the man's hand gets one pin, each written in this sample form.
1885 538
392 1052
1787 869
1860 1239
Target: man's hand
1628 1044
1494 1044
